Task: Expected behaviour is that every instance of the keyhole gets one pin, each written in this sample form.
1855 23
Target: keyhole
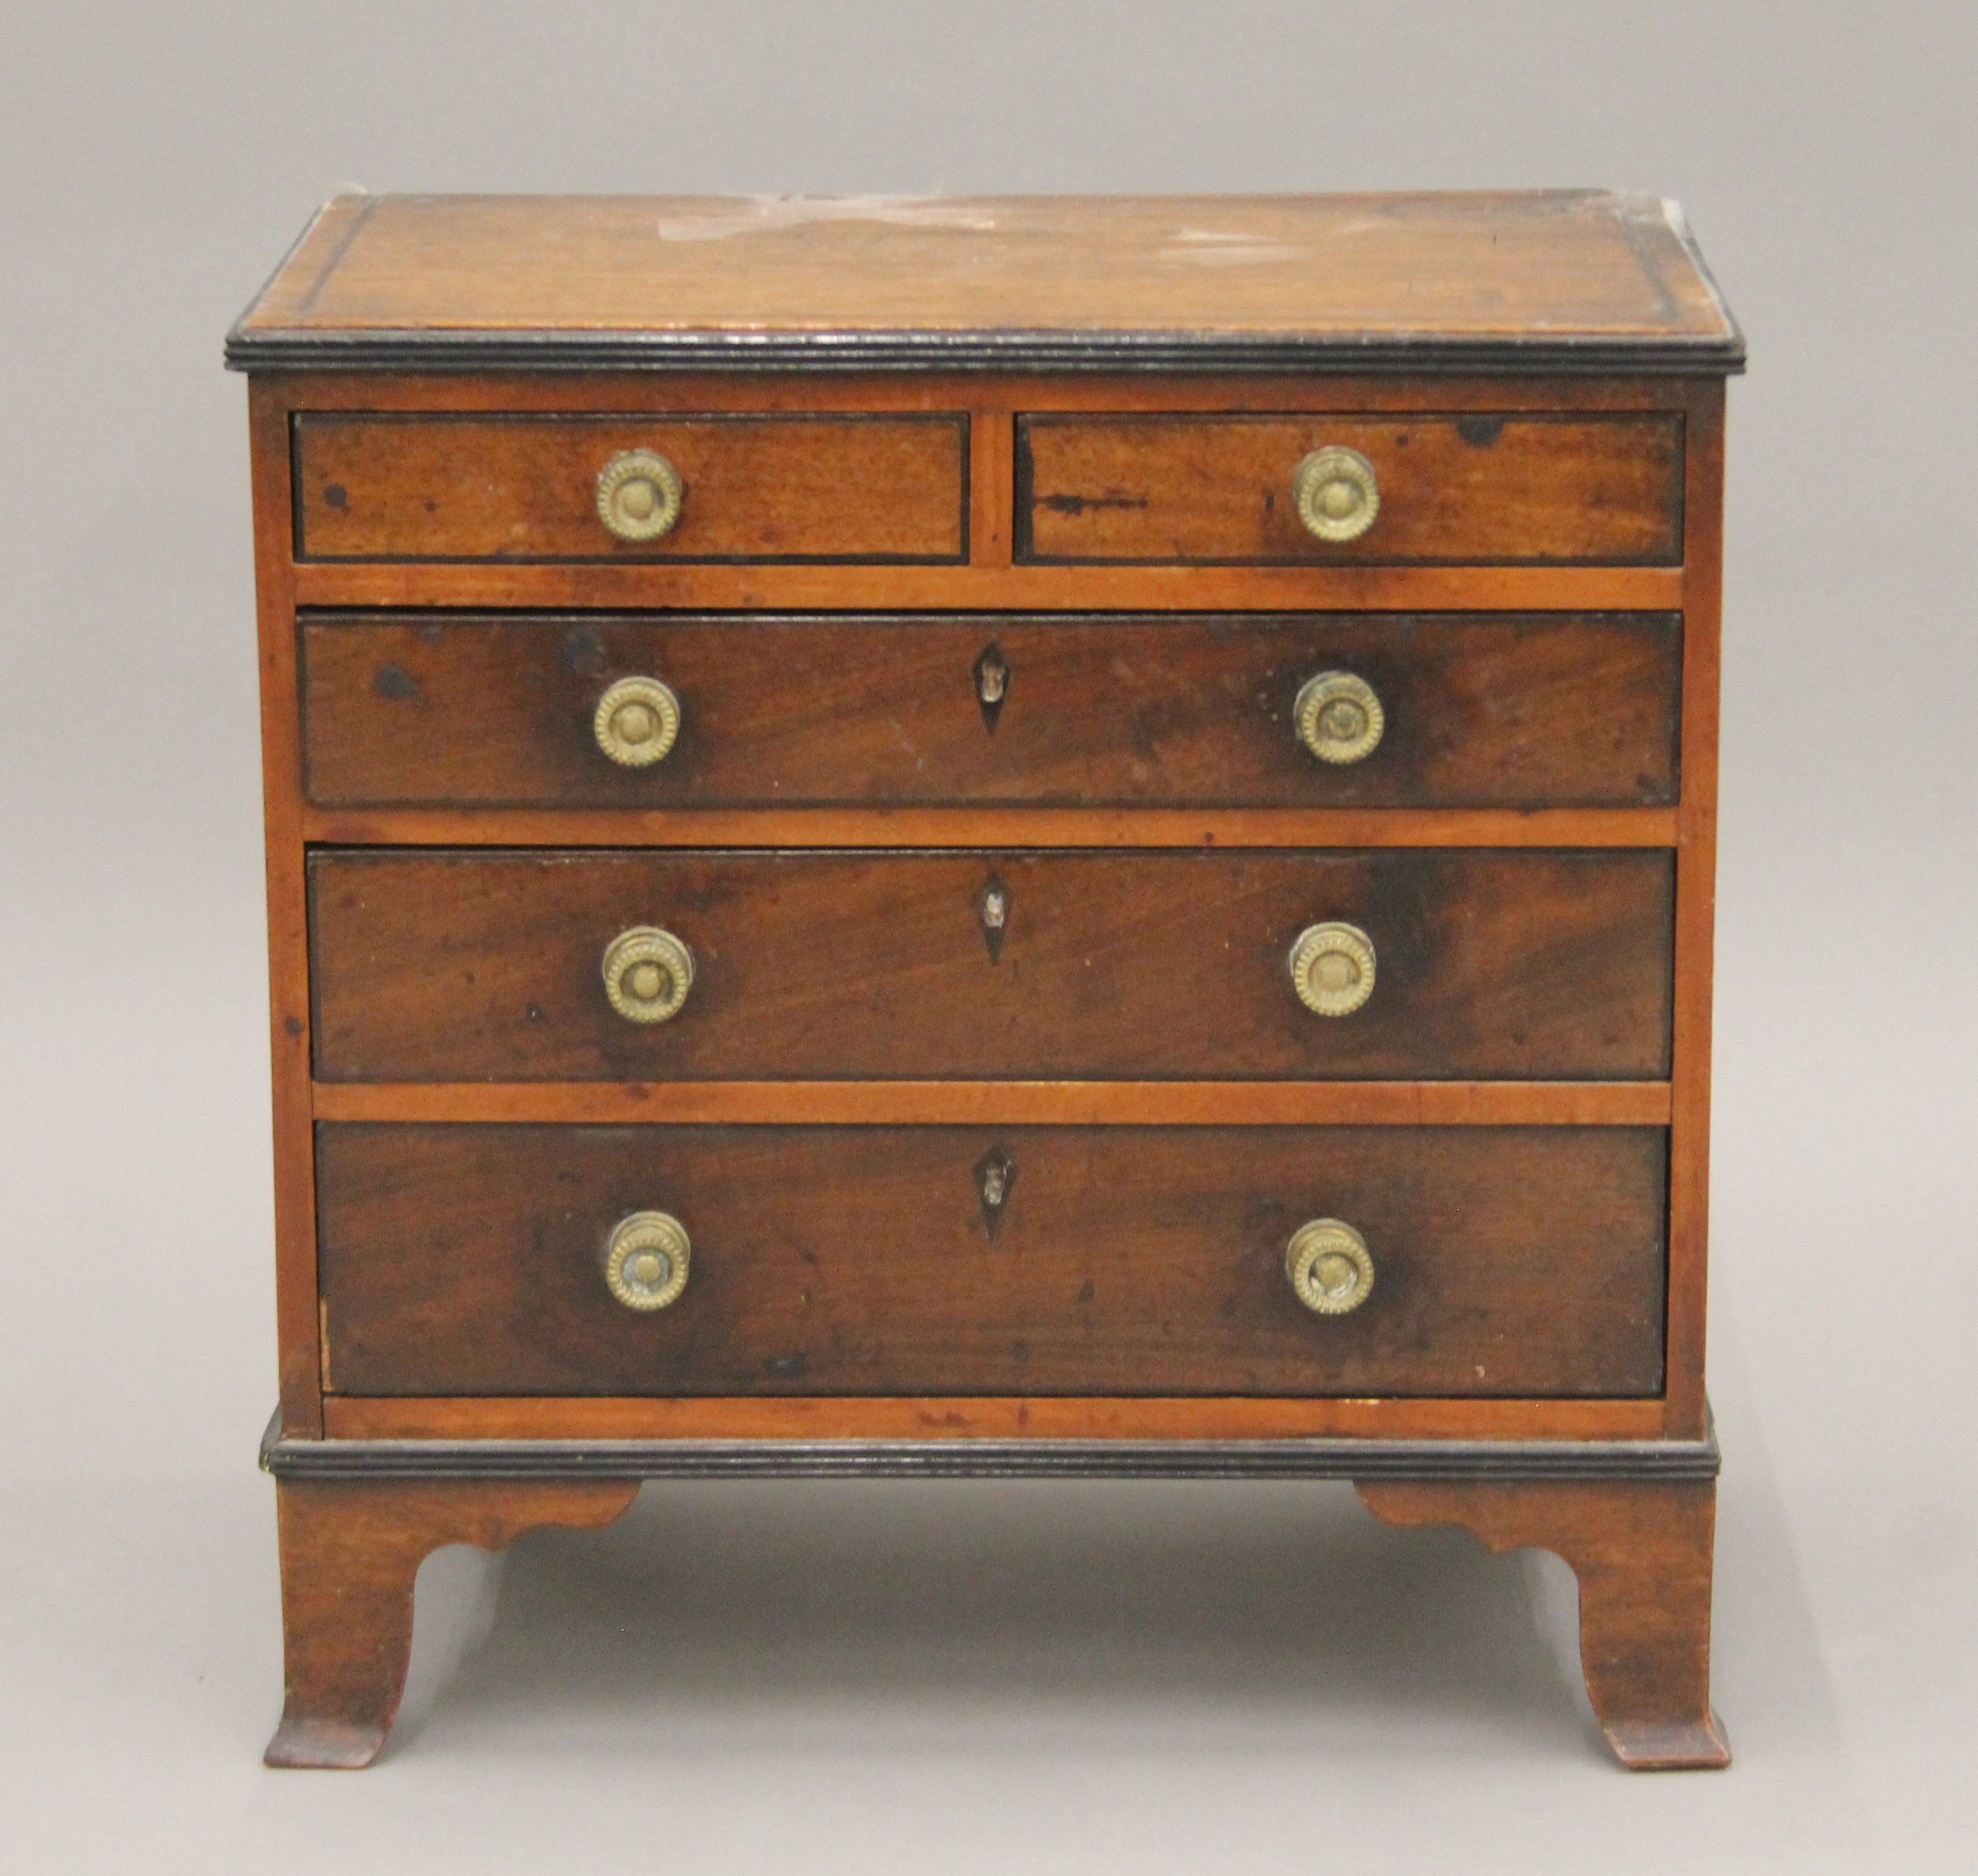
992 913
992 684
995 1173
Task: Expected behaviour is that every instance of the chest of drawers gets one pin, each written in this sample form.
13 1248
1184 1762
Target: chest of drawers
1008 838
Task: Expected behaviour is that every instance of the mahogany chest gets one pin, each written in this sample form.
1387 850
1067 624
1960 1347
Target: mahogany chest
1015 837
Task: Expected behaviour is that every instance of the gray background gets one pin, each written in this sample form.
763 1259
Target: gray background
975 1678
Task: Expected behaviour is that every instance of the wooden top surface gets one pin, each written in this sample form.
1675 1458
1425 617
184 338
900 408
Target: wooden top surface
1549 281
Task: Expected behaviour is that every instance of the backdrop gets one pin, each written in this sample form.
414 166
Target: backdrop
976 1678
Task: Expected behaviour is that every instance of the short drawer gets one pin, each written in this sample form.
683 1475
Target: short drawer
477 966
1484 489
1304 710
476 1259
519 488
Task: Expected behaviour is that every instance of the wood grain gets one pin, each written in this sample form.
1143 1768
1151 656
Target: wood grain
350 1551
686 391
1519 1120
1061 1103
1641 1552
1509 1261
1517 710
910 1417
449 966
992 472
904 586
1696 915
1479 489
1204 828
1564 274
296 1320
519 488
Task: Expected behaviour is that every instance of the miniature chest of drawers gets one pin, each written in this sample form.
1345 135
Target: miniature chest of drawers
999 837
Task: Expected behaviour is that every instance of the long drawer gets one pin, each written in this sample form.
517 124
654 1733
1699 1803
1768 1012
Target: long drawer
459 1259
1390 710
446 966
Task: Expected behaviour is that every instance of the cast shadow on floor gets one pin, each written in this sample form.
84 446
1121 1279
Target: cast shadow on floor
913 1615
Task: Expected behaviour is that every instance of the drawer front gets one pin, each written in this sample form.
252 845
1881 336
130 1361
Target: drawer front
521 488
865 1260
1551 489
477 966
1523 710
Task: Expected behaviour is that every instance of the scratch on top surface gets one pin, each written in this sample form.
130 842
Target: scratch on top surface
722 218
1678 226
1228 247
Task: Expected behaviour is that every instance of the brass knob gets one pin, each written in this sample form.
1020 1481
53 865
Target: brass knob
636 722
639 495
1332 968
646 1260
1331 1268
647 973
1336 494
1339 718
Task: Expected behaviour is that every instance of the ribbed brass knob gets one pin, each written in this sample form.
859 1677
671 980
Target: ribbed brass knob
1335 492
639 495
1331 1268
1339 718
636 722
1332 968
647 973
646 1260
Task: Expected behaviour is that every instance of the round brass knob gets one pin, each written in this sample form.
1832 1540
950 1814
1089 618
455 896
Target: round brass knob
1335 493
647 973
646 1260
1331 1268
639 495
1339 718
636 722
1332 968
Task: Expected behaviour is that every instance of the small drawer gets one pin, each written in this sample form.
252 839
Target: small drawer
1412 490
715 1260
1400 964
1316 710
519 488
